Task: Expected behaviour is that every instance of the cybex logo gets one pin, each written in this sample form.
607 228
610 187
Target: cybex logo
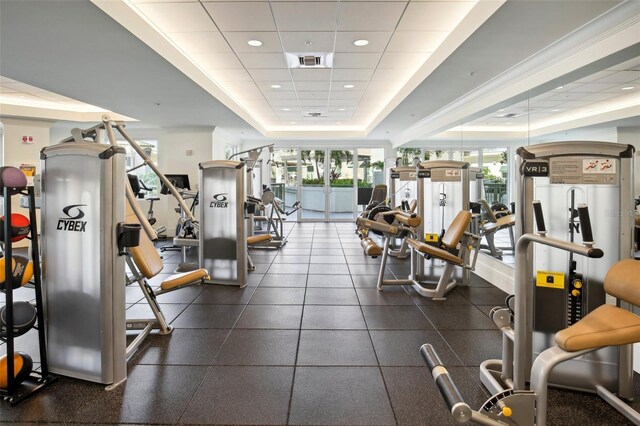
72 222
219 201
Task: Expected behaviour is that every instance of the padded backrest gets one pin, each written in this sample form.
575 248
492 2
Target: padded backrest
456 229
145 256
378 194
622 281
491 216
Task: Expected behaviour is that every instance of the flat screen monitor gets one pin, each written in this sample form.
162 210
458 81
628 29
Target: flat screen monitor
179 181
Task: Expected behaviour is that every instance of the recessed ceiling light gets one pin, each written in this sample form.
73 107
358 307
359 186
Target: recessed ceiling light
361 42
342 109
500 110
555 110
628 88
275 86
254 43
308 42
559 87
349 86
286 109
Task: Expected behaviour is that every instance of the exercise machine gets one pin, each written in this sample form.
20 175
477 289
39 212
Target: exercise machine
561 297
494 218
608 326
444 189
223 234
272 213
140 190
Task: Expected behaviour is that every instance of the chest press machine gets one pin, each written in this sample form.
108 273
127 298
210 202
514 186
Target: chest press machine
84 275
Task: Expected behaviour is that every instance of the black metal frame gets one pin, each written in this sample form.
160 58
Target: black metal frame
37 380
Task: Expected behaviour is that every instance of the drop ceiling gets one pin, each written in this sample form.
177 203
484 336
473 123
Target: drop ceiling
612 89
358 88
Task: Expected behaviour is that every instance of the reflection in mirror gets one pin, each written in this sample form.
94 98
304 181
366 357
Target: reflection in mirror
601 106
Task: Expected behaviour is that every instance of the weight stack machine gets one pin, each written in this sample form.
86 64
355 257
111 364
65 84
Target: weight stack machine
83 194
223 234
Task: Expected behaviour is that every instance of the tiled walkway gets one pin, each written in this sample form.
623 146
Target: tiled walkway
309 341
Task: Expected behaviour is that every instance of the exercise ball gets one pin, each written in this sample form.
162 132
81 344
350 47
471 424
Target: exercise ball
22 366
24 317
19 227
12 177
22 269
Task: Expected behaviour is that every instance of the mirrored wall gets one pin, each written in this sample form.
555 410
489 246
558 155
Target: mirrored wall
603 105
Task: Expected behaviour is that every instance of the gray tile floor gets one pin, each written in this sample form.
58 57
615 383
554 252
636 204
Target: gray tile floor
309 341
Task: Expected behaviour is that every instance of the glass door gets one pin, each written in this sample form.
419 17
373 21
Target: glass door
313 184
340 186
284 175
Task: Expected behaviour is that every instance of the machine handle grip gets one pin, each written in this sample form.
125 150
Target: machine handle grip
537 211
585 223
447 388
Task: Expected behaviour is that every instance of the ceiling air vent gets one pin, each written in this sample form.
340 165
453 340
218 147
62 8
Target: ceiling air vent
510 115
313 114
309 61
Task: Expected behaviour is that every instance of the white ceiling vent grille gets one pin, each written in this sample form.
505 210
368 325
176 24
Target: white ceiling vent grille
313 114
309 60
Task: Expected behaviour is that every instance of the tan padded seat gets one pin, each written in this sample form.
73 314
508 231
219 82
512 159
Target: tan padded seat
608 325
370 247
456 229
149 262
605 326
406 219
145 255
260 218
257 239
186 278
506 221
434 251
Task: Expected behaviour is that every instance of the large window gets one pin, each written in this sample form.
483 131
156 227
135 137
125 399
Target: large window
135 164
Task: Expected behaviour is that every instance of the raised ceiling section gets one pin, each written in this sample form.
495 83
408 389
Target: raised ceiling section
354 85
24 100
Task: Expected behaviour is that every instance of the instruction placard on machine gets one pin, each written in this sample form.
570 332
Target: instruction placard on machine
580 170
446 175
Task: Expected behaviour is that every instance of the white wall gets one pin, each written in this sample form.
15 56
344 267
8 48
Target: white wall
14 152
173 158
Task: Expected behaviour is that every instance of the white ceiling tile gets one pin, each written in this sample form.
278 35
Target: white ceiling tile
368 16
402 60
597 87
229 75
620 77
343 102
313 103
356 60
217 61
270 74
349 74
241 16
283 102
201 42
284 85
296 41
306 86
416 41
346 95
377 41
378 94
357 85
311 74
566 96
263 60
600 96
544 104
178 17
305 16
319 95
276 94
434 16
238 41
